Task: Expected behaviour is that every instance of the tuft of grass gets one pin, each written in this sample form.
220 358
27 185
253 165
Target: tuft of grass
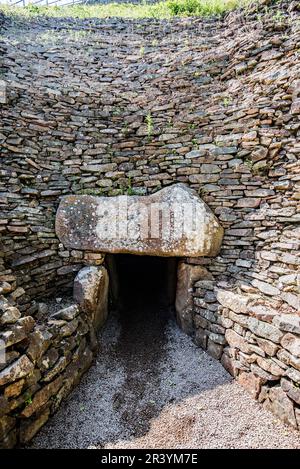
201 8
149 122
130 190
226 101
28 400
162 9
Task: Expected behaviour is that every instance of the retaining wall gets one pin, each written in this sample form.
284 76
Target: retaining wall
124 106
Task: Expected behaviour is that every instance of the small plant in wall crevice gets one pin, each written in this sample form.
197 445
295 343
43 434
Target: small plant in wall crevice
28 400
149 122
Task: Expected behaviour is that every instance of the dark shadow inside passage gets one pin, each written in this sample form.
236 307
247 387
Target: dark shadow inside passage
142 281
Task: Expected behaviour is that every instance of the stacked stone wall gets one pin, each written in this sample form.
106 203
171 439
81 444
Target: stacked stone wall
122 106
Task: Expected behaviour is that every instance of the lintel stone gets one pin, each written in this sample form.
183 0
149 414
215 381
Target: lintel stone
172 222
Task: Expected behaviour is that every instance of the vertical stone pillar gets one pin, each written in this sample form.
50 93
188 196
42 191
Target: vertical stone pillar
187 275
3 92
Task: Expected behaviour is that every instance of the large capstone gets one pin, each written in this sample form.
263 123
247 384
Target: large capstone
172 222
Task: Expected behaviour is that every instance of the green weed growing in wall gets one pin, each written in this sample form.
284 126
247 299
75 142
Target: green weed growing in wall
149 122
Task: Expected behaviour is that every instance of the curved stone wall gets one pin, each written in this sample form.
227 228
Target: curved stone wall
108 107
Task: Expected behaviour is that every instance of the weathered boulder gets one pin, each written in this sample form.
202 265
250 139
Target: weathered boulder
187 275
90 291
172 222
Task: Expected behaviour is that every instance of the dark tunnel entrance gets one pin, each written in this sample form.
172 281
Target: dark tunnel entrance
141 318
142 281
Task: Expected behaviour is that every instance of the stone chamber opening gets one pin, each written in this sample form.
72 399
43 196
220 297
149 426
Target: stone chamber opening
142 304
136 281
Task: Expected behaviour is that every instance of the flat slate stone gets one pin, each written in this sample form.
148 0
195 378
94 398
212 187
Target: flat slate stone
172 222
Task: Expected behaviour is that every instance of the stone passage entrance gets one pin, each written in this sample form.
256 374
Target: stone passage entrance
142 238
137 281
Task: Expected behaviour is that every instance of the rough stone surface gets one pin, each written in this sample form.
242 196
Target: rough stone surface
171 222
265 330
187 275
282 406
251 383
291 343
292 391
29 428
90 291
267 346
288 323
237 341
233 301
108 149
21 367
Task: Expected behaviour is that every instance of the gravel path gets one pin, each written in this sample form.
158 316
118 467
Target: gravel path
151 387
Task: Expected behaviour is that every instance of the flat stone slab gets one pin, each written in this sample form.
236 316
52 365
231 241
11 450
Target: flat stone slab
172 222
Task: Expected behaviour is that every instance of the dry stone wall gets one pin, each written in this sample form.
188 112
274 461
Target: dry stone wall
43 362
108 107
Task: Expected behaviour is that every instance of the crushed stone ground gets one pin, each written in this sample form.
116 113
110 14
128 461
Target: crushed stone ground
151 387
